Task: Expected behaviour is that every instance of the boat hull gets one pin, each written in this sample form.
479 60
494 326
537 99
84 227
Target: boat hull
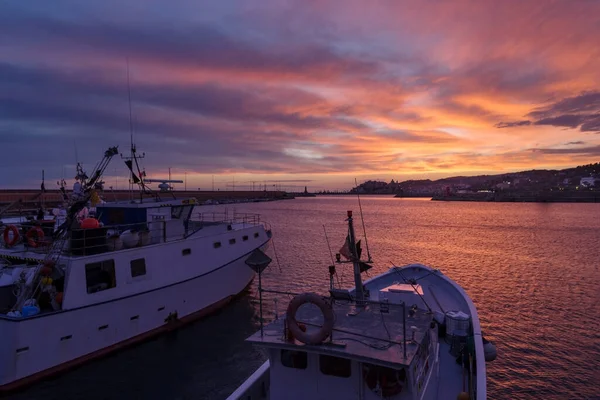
35 348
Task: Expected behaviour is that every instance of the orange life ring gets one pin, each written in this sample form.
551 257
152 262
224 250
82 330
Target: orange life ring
35 236
16 236
294 327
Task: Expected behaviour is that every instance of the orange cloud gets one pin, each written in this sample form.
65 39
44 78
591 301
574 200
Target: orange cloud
313 89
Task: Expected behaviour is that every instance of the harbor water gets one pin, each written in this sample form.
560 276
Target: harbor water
532 270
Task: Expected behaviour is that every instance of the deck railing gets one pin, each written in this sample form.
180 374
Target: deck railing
108 238
227 217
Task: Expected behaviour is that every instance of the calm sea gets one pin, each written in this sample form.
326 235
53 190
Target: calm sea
531 269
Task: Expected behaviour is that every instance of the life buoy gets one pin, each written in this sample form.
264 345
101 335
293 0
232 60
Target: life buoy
387 380
295 329
35 236
15 235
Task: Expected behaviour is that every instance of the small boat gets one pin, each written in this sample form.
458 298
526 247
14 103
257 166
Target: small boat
409 333
91 283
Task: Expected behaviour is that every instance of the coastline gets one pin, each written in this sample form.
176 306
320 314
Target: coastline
583 197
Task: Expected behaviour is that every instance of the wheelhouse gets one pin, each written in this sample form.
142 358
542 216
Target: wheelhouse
373 351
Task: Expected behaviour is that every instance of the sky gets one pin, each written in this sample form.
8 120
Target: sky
297 93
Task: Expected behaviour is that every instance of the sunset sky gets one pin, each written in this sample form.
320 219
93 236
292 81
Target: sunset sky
313 93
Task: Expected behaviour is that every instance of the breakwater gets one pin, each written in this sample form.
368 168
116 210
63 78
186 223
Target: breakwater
558 197
24 200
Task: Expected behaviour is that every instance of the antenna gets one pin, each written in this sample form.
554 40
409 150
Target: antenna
43 189
133 156
130 113
132 146
76 156
363 222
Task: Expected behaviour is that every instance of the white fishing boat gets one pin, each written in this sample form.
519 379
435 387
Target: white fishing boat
82 286
409 333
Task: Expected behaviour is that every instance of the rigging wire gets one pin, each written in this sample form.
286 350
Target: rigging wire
276 256
363 222
331 254
411 284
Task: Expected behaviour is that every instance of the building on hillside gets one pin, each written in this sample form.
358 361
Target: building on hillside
588 181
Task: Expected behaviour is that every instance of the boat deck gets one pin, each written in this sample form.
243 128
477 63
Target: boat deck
441 295
364 333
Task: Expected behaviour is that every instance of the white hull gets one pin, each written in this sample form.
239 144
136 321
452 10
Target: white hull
191 287
444 379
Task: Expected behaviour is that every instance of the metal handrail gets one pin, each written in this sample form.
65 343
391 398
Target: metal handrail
85 241
226 217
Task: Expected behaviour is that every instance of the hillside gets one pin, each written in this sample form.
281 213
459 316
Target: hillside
531 181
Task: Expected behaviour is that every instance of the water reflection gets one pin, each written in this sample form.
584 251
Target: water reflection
531 269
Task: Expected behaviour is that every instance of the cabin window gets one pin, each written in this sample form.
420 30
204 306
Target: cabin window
245 237
335 366
231 241
176 212
255 234
186 252
138 267
294 359
100 276
216 245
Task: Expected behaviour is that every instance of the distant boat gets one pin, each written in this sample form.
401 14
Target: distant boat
409 333
80 286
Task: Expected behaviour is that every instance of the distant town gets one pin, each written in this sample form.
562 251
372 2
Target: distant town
581 183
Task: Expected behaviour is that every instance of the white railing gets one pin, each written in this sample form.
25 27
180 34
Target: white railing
227 217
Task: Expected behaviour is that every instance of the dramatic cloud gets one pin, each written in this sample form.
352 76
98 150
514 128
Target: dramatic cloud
298 91
512 124
581 111
591 151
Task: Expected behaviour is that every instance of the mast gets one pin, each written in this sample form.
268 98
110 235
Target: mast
355 260
132 146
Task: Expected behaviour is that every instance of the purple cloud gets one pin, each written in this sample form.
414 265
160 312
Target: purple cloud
588 151
512 124
581 111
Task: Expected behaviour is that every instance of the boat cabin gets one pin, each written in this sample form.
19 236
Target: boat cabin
117 226
374 351
132 224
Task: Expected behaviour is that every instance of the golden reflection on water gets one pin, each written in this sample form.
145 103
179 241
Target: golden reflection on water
531 269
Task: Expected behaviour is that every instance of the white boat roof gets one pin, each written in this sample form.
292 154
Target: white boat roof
359 333
148 203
